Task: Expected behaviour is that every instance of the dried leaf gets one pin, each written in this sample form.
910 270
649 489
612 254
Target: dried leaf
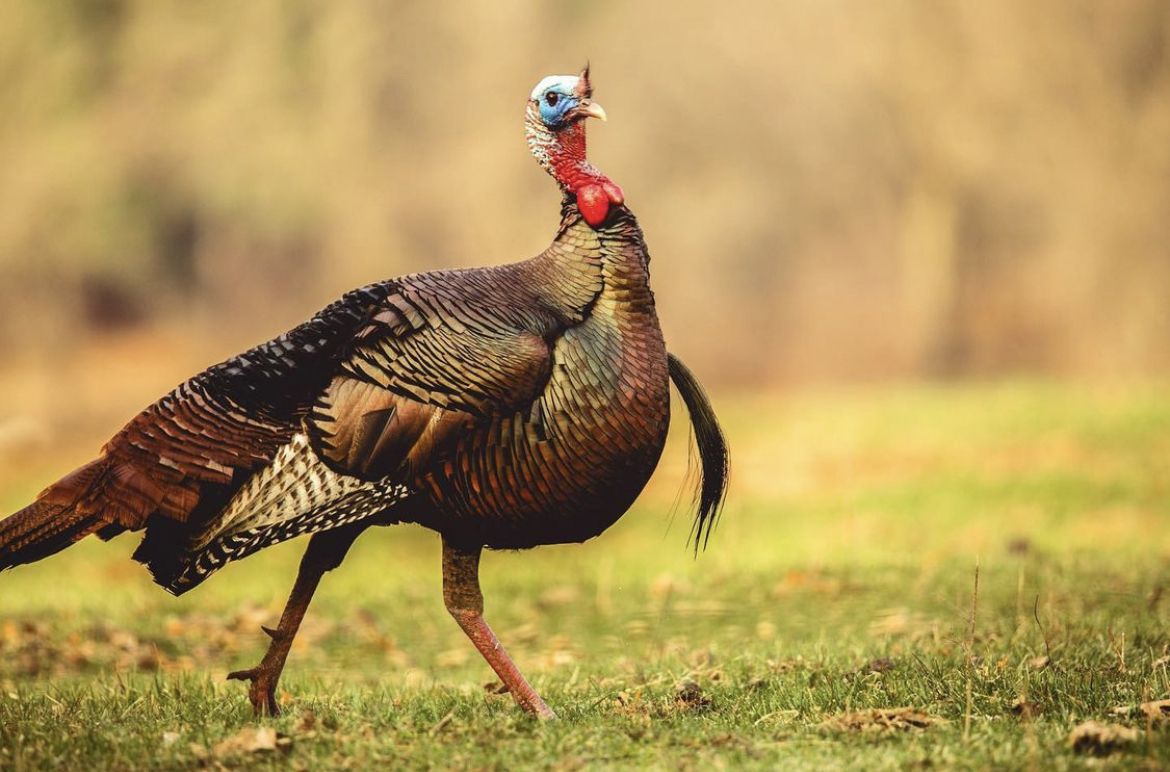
1101 739
881 720
1026 708
689 693
306 722
263 739
1157 710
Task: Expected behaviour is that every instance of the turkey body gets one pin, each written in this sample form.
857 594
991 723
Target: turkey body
505 407
565 461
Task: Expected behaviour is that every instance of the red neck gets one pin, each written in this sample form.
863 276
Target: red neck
563 155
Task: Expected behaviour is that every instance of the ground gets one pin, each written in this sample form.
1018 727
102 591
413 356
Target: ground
922 577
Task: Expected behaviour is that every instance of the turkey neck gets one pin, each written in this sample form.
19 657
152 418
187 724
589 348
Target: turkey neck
587 267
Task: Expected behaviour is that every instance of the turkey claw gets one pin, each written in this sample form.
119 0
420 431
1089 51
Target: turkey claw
262 692
243 675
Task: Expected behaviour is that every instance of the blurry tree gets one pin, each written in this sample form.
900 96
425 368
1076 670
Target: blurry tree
831 190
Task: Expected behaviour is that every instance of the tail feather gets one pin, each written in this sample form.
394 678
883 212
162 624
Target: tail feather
40 530
714 466
53 521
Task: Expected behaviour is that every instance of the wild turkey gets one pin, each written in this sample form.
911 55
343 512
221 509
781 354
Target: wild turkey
502 407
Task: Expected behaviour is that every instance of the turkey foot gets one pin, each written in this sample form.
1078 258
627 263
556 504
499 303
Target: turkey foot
464 601
266 675
325 552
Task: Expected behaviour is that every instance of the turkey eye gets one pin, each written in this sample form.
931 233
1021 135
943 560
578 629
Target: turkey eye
552 98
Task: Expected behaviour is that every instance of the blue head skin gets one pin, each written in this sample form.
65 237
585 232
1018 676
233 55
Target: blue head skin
555 97
564 99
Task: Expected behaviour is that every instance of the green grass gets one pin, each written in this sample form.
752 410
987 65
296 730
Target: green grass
841 580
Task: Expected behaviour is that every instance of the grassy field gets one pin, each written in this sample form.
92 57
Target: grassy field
950 577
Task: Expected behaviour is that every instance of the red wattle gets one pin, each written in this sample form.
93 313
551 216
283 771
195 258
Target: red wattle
595 192
593 201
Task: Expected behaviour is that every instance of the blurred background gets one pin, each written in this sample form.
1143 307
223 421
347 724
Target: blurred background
833 192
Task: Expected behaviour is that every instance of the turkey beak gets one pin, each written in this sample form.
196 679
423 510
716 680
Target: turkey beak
591 110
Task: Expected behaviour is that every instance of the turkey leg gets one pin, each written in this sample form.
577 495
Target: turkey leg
325 552
464 602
